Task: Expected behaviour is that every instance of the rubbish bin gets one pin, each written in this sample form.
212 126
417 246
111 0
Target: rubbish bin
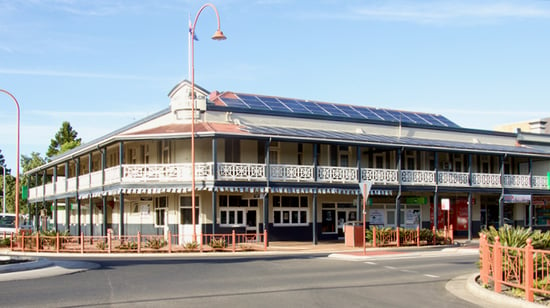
353 233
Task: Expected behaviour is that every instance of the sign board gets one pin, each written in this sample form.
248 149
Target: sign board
365 189
445 204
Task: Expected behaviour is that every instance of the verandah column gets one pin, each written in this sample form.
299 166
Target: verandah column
398 197
121 195
314 201
91 211
54 184
266 196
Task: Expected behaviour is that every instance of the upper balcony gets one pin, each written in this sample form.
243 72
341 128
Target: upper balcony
181 173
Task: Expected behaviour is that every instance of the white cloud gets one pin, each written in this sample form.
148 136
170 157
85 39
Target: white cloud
442 11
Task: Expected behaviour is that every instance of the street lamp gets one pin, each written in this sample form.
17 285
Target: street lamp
17 162
218 36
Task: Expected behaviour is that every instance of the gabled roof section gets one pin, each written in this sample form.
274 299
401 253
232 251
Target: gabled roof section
254 103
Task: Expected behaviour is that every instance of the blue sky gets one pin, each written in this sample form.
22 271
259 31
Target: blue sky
103 64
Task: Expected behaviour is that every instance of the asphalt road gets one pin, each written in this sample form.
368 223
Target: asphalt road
267 281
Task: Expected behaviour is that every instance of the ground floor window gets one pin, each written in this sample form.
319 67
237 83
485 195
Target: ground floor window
290 210
238 211
161 207
186 210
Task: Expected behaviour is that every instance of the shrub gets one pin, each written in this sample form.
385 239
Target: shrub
156 243
218 243
191 246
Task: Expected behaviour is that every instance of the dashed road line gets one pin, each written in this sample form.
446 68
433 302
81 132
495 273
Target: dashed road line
431 276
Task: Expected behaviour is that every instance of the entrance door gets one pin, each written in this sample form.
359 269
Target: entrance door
329 221
186 221
252 221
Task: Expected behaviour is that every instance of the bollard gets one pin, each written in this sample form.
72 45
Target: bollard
485 260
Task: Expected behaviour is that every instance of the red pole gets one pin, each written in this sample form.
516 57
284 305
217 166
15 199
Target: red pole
485 260
37 241
57 242
265 240
418 236
374 236
81 242
109 240
497 265
364 225
233 240
139 241
529 268
169 241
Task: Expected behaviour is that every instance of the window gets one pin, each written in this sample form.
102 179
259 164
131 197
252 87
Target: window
234 209
166 151
232 150
186 210
300 158
274 149
290 210
160 211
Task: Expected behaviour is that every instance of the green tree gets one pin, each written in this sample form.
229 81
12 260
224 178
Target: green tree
29 163
64 140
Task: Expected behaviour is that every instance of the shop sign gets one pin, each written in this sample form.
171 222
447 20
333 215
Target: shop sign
513 198
416 200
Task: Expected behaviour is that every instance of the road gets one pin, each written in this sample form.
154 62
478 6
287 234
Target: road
267 281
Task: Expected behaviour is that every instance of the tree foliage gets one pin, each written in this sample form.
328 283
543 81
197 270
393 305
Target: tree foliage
64 140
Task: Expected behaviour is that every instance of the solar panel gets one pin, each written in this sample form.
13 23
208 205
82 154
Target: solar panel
253 102
295 106
274 104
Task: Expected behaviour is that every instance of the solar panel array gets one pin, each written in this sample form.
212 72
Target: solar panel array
305 107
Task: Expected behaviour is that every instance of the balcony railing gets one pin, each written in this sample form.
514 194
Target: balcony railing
169 173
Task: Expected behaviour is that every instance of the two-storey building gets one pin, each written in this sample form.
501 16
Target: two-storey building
292 166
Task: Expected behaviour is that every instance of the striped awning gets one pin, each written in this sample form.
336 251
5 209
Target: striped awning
235 189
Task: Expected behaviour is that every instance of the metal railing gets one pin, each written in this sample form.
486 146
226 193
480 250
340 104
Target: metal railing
138 243
525 268
169 173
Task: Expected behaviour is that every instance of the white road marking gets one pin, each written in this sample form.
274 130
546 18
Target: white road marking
431 276
371 263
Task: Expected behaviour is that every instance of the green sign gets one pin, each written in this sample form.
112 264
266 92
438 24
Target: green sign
416 200
24 192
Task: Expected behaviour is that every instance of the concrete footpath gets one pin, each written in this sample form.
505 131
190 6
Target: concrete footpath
39 266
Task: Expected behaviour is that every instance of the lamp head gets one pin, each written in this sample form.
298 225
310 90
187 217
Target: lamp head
219 36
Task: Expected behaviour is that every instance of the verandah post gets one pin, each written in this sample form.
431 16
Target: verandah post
57 242
497 265
265 240
529 268
433 231
37 241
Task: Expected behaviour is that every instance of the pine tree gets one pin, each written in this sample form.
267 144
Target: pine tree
64 140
